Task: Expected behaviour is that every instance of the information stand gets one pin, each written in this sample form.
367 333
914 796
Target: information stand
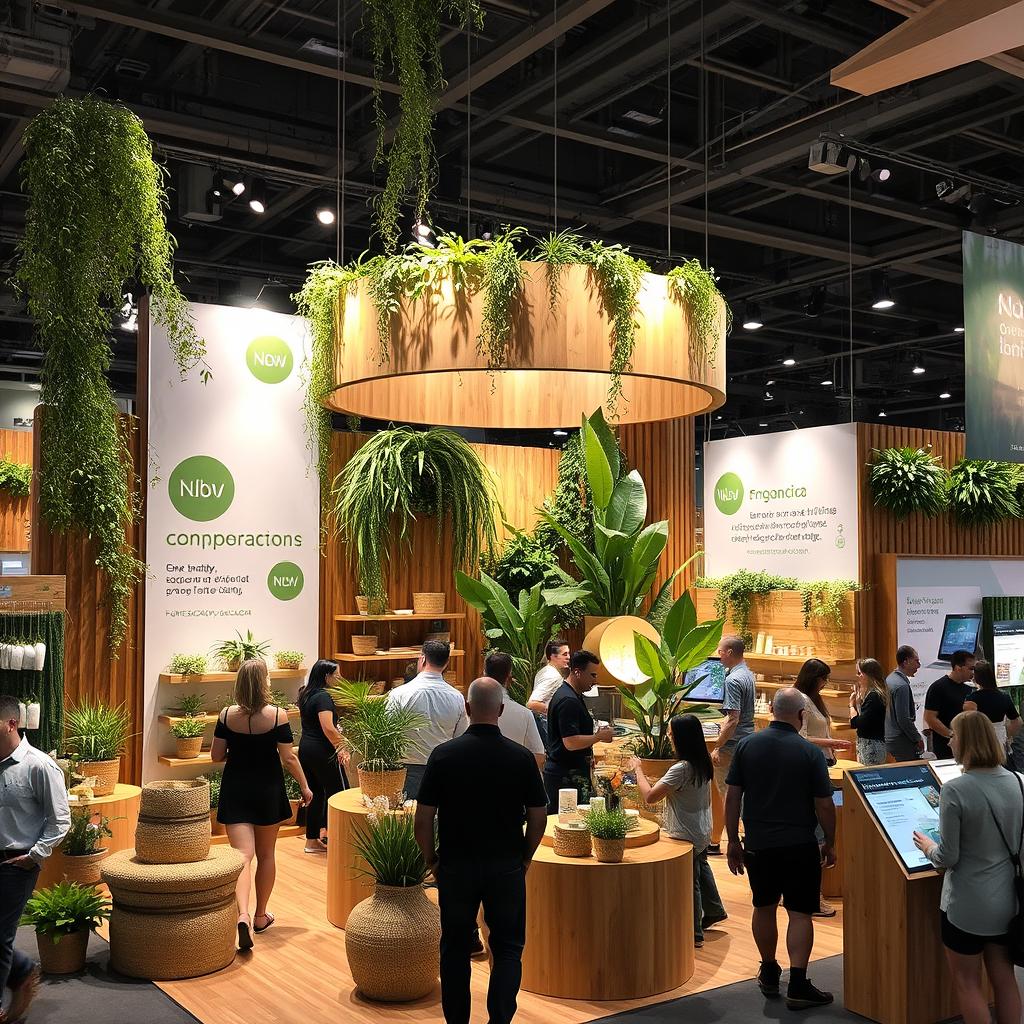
894 962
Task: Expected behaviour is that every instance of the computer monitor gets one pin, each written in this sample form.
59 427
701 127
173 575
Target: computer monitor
710 679
959 633
946 769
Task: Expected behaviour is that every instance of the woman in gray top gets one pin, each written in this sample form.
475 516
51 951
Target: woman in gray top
686 790
978 900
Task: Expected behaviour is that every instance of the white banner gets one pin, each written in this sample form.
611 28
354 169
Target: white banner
783 503
232 527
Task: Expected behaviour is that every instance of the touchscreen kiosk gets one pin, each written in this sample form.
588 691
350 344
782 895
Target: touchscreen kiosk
1008 652
709 677
959 633
903 799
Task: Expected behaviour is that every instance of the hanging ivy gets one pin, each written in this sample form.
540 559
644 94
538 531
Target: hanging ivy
95 220
694 287
502 288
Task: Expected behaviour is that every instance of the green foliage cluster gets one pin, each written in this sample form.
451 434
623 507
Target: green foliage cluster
95 220
982 492
95 732
607 824
694 287
291 787
387 844
502 288
188 664
245 648
822 601
65 908
281 699
376 730
15 478
192 704
188 728
907 480
214 779
558 251
399 474
87 832
289 659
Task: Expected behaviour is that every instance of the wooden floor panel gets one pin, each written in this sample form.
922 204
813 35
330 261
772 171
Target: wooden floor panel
298 971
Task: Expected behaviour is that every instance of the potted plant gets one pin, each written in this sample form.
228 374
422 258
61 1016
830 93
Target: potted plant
79 854
608 830
98 735
379 733
216 828
188 735
281 699
188 664
231 653
685 644
63 915
291 787
289 660
191 705
392 937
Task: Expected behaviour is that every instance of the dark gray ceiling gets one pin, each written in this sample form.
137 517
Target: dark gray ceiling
721 171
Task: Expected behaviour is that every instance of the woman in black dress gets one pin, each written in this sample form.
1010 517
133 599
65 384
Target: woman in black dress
319 753
253 739
994 704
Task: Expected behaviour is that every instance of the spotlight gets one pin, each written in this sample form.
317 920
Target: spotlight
830 158
816 302
752 321
128 314
958 329
881 174
949 191
217 185
258 195
918 366
769 383
769 397
881 297
422 231
881 414
325 215
945 394
790 360
237 185
827 382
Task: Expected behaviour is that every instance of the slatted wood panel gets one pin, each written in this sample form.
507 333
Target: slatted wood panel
15 513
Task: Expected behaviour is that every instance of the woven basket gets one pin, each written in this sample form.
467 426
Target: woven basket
66 956
571 842
428 604
188 746
371 605
441 638
174 822
609 851
364 644
392 944
172 920
104 772
83 868
389 784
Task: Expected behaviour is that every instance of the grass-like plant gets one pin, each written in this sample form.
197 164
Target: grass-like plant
87 832
15 478
387 844
695 288
188 728
377 731
243 649
191 705
607 824
188 664
399 474
65 908
908 480
982 492
96 732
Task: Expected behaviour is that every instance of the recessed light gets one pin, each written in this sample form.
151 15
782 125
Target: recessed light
827 382
945 394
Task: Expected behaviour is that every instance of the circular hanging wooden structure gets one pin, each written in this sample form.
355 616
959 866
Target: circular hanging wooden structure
558 361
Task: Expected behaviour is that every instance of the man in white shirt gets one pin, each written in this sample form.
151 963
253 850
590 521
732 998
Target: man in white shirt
34 818
515 722
442 707
550 677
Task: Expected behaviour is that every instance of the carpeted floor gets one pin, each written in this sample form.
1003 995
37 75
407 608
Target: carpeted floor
744 1002
96 995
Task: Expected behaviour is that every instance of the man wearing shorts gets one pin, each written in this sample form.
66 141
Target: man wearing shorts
782 781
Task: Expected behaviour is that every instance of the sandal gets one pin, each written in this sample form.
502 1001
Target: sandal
257 928
318 846
244 936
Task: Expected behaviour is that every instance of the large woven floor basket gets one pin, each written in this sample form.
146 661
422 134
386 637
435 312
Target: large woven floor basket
174 822
172 920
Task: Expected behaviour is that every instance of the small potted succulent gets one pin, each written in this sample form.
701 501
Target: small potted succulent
188 734
608 830
289 660
97 735
231 653
63 915
188 664
214 778
78 856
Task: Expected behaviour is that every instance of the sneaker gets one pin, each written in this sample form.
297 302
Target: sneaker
806 996
710 922
768 977
825 909
715 850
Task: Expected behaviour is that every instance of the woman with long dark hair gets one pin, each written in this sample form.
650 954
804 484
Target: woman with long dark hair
817 728
686 790
320 751
869 703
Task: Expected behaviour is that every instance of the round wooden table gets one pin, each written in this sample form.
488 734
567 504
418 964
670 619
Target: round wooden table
610 931
345 887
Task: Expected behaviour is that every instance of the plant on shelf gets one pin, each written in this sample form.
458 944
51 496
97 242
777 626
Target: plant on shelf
87 832
982 492
737 592
95 220
191 705
188 736
684 645
289 660
231 653
187 665
822 601
519 630
96 732
908 480
15 478
695 288
399 474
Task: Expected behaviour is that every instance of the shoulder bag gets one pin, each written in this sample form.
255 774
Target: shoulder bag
1015 929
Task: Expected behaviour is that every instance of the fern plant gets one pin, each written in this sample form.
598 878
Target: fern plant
65 908
983 492
908 480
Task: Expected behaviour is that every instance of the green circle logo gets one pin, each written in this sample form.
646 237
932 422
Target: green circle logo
269 359
201 488
285 581
729 494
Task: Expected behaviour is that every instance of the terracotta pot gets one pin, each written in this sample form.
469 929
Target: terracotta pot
106 774
609 851
389 784
654 768
216 828
64 957
83 868
189 746
392 944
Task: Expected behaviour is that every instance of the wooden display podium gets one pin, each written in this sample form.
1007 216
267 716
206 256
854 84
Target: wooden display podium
894 964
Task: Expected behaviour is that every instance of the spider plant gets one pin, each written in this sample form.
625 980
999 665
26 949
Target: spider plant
377 731
191 705
245 648
983 492
908 480
96 732
558 250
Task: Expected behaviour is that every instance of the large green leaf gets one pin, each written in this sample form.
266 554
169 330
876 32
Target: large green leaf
649 659
681 618
611 545
643 561
604 434
586 562
599 470
627 508
662 603
636 709
559 597
699 644
472 591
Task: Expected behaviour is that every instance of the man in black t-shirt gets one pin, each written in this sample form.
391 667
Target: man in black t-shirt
481 786
945 700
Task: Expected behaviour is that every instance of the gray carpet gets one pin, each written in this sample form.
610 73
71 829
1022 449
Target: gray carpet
97 995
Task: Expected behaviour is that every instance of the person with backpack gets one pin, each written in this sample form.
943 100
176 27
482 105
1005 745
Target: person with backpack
981 824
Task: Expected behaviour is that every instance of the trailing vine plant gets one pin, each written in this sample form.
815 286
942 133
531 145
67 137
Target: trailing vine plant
823 600
95 220
502 288
695 288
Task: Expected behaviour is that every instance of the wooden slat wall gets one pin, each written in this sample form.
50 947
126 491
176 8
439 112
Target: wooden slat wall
15 513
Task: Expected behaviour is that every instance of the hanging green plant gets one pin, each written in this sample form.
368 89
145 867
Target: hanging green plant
558 250
738 591
908 480
15 477
95 220
694 287
399 474
983 492
502 288
405 37
823 601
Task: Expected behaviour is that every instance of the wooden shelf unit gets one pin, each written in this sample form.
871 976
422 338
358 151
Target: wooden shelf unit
209 719
406 656
184 762
391 617
227 677
827 692
792 659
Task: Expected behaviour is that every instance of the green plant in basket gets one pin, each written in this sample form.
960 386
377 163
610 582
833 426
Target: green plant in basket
685 644
188 664
87 832
289 659
377 731
95 732
192 705
608 824
387 843
243 649
188 728
65 908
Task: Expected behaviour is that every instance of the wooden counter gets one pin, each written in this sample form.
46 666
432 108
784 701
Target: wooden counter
610 931
345 886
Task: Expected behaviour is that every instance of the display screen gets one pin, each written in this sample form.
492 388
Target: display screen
959 633
709 677
1008 652
946 770
904 799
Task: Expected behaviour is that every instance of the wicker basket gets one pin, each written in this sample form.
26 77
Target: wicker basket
188 747
371 605
364 644
428 604
174 822
609 851
389 784
64 957
441 638
392 944
104 772
172 920
571 842
83 868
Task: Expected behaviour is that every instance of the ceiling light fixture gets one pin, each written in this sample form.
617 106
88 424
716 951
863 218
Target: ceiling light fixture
560 433
258 195
827 382
918 368
769 397
881 297
325 215
752 320
881 414
762 424
816 302
238 184
789 361
958 330
945 394
217 185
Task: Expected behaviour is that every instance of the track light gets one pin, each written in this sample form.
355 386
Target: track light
325 215
258 195
236 183
816 302
217 185
881 174
752 321
881 297
951 191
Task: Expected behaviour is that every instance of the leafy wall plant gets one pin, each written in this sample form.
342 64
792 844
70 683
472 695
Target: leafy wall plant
95 220
983 492
15 478
823 600
695 288
908 480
